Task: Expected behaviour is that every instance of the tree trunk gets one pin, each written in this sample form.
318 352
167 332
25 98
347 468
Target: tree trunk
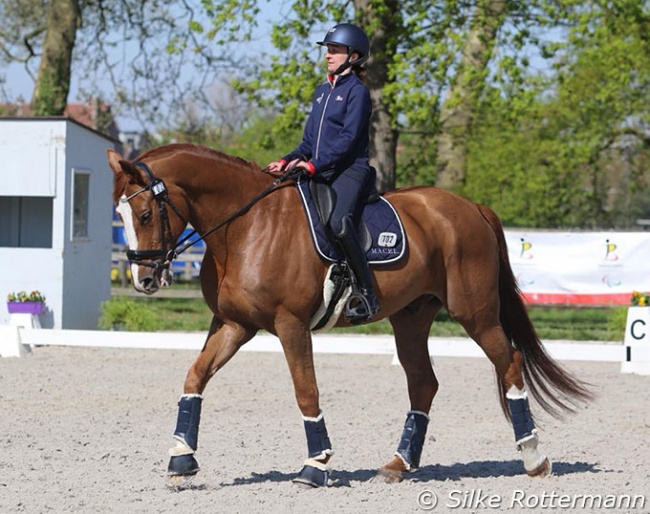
381 25
53 81
457 111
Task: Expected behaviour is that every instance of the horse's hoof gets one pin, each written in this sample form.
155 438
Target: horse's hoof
388 476
543 470
183 465
180 482
310 476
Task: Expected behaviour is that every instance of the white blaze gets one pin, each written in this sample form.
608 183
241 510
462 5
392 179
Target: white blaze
124 210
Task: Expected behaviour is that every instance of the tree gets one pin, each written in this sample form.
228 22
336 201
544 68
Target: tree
294 72
417 53
570 149
163 64
53 82
457 112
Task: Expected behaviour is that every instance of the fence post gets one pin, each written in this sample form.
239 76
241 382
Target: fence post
10 343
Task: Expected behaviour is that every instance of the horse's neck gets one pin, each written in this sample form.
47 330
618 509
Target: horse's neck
216 190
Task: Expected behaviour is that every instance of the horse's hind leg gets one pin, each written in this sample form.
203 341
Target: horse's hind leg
483 325
411 327
222 343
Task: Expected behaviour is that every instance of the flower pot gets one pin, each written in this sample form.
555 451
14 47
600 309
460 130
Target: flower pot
25 308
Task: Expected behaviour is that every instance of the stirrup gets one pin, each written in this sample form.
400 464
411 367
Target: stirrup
358 309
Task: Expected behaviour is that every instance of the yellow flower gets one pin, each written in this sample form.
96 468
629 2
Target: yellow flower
22 296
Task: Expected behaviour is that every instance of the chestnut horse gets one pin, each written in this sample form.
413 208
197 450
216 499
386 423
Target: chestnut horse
260 271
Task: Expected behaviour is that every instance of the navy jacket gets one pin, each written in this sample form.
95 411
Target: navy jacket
336 135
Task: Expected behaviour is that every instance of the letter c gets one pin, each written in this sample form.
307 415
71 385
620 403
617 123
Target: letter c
633 329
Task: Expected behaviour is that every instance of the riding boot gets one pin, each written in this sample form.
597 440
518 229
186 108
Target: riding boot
363 304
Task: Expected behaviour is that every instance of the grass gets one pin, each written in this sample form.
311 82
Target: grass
579 324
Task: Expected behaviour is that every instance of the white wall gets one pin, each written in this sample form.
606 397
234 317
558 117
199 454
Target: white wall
29 157
87 282
72 274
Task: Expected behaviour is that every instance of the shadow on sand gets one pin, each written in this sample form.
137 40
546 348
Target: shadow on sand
435 472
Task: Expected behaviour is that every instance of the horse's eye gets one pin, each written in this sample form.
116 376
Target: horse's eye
145 218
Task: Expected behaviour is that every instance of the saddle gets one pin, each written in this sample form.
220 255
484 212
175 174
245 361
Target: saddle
381 234
380 229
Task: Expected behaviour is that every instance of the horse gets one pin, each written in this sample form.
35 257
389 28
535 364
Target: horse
261 272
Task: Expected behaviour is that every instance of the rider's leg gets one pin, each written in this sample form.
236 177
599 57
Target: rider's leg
349 187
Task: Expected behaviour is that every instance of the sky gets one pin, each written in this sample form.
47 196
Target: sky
19 84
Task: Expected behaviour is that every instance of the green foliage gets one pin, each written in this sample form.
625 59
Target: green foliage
262 141
588 323
559 137
125 314
569 149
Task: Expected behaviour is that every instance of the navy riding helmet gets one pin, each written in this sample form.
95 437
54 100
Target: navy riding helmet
352 37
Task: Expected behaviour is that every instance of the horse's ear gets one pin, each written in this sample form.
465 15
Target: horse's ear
119 165
114 160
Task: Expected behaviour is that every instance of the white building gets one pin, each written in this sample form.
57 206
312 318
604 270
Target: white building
55 218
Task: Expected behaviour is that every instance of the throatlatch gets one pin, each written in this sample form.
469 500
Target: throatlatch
412 442
182 461
319 447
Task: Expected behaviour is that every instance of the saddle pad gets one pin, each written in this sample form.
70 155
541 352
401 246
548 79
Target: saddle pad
381 219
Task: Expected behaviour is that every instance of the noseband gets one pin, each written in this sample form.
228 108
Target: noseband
157 259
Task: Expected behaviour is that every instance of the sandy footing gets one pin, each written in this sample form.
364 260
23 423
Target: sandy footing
87 430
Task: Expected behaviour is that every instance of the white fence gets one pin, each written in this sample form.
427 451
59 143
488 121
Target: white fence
16 341
187 265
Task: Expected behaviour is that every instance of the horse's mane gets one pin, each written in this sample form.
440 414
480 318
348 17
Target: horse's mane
121 179
198 150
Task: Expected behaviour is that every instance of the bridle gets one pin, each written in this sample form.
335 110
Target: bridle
161 259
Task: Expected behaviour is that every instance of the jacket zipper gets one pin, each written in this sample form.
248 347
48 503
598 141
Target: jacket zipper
322 117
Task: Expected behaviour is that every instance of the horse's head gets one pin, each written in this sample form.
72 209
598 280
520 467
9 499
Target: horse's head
152 222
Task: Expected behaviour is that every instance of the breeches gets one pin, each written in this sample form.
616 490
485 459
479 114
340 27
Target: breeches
349 187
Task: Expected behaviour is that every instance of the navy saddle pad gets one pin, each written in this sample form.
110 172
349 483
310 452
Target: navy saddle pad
388 240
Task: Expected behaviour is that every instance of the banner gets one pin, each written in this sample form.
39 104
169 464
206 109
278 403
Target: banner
580 268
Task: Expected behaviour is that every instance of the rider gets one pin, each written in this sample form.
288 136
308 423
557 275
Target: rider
334 149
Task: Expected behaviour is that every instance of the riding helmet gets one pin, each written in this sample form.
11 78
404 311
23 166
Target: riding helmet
351 36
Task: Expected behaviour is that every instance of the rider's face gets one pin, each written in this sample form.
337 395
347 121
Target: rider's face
335 56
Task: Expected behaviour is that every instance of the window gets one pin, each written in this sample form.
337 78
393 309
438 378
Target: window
81 188
26 221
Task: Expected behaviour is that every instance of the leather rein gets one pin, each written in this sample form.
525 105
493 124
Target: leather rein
161 259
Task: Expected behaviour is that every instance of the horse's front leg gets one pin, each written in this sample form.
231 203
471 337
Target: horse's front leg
297 344
223 341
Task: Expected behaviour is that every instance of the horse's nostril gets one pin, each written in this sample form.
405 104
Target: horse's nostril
148 283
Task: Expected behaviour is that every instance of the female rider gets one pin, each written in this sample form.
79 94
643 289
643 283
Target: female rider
334 149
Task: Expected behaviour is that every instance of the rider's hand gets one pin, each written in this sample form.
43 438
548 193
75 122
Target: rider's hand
276 168
305 166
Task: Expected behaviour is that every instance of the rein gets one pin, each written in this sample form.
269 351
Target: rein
151 258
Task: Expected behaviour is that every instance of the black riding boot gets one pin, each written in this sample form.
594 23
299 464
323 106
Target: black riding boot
362 304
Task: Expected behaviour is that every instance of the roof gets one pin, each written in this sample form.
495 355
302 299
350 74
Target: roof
95 116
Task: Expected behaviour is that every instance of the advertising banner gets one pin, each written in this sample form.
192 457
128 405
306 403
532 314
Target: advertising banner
580 268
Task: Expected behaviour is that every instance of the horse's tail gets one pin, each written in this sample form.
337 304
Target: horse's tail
551 385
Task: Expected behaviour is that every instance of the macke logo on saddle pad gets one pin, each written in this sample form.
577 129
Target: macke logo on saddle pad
381 231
